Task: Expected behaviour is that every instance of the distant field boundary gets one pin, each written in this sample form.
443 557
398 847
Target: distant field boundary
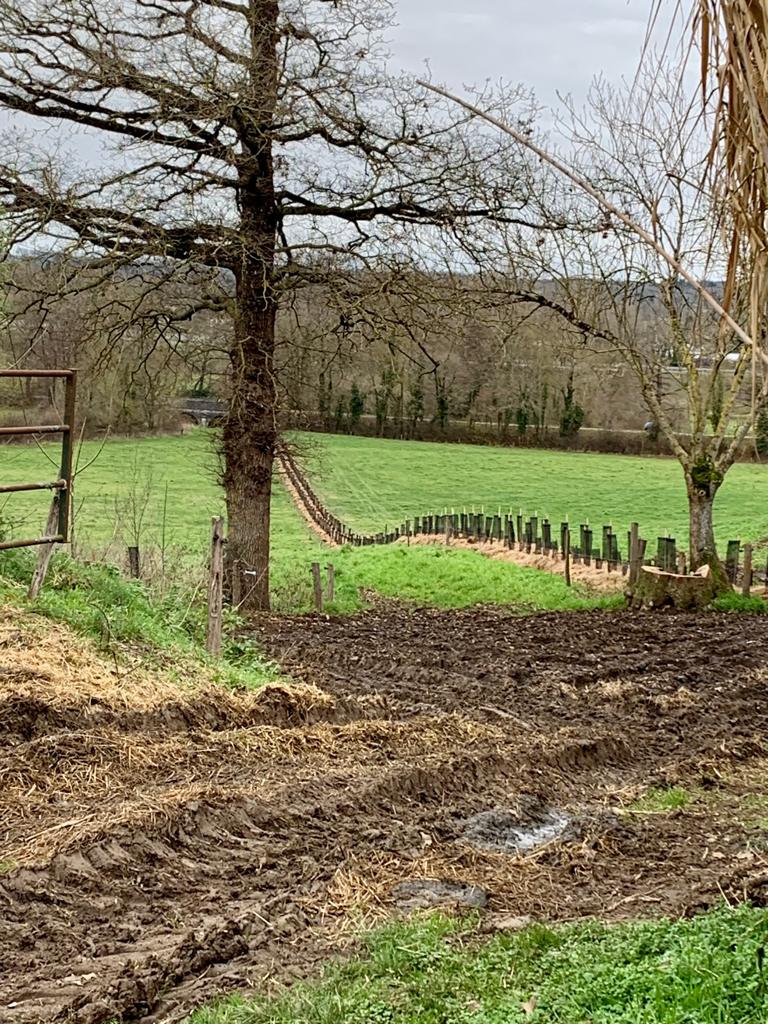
545 545
486 434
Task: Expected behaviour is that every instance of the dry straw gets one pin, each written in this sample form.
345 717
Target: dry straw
94 754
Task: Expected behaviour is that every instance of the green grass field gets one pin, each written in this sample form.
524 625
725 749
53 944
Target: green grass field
369 482
708 970
169 485
372 482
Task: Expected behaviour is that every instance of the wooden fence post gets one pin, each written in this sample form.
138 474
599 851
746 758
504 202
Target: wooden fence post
608 543
643 546
331 589
615 552
567 554
317 586
634 555
746 586
46 550
237 584
134 566
732 559
661 552
546 535
671 554
215 588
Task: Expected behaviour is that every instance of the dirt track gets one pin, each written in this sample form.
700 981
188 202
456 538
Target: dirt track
159 848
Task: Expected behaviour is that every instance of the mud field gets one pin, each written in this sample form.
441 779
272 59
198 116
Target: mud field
158 847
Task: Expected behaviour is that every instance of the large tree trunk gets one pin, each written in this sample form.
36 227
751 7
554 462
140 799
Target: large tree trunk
702 483
250 435
250 431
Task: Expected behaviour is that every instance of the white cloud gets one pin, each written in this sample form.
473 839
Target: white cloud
474 18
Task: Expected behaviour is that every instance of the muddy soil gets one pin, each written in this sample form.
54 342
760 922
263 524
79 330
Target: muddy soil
152 857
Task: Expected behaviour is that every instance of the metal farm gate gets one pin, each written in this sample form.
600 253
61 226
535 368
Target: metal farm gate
63 485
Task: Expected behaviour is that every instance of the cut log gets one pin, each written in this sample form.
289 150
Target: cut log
656 588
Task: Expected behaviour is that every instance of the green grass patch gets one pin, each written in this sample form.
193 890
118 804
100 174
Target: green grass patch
173 483
432 576
752 810
753 605
457 578
662 801
168 485
165 627
372 482
708 970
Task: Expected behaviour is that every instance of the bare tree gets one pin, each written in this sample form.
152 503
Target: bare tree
616 279
249 148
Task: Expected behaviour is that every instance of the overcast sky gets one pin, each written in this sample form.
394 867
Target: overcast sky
550 45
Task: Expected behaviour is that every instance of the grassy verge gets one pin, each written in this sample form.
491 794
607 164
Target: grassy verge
130 620
754 605
442 577
709 970
432 576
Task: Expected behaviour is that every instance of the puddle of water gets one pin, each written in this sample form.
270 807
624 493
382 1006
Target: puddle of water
505 832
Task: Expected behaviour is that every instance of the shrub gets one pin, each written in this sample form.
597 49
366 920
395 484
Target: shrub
572 416
356 406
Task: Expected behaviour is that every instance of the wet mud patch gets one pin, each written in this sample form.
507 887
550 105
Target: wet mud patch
433 894
507 831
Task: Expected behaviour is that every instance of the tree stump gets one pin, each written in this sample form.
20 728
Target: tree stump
656 588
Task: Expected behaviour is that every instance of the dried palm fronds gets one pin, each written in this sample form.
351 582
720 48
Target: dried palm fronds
732 39
734 54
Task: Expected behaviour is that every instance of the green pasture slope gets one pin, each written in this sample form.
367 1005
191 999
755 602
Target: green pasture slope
172 483
368 482
176 478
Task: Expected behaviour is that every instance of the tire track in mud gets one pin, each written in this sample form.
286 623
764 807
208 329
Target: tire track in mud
174 851
207 855
25 717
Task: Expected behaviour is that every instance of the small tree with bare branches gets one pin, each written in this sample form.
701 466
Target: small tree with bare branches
638 211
